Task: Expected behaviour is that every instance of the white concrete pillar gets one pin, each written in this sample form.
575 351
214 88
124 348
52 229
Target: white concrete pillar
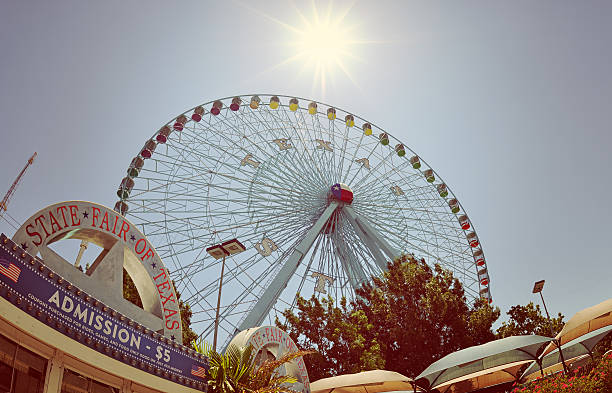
55 372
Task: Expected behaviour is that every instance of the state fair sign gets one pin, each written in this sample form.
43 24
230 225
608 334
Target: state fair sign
30 285
270 342
123 247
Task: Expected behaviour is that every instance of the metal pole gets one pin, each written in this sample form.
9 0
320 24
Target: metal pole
218 305
547 314
551 333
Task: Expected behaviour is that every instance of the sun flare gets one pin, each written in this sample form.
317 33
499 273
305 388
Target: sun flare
324 44
321 44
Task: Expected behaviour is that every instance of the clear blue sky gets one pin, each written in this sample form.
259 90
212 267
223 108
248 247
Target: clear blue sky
509 101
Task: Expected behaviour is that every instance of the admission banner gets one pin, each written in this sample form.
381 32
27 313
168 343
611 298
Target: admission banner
31 286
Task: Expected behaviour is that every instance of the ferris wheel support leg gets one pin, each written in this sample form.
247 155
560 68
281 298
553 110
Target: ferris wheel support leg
373 233
367 240
353 271
263 306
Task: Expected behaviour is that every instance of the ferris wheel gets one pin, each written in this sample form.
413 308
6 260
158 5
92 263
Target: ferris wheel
321 199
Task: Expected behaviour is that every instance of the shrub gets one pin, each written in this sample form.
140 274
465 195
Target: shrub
595 379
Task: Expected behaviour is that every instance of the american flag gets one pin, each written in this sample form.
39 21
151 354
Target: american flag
198 371
9 270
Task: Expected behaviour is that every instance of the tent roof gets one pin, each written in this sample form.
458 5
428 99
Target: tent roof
373 377
572 350
481 357
488 377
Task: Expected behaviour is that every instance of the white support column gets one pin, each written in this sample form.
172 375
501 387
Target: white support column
354 271
391 252
268 298
348 268
127 386
55 373
369 242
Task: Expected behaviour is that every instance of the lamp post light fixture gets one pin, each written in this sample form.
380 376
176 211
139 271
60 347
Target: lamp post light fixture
220 251
537 288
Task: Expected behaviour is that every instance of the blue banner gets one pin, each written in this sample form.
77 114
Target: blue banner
31 286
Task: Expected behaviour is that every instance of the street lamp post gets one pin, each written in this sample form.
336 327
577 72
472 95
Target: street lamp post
537 288
220 251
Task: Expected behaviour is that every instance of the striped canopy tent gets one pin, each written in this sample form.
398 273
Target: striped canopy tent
373 381
572 352
480 366
583 322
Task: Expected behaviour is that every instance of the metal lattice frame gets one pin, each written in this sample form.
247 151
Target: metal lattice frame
263 176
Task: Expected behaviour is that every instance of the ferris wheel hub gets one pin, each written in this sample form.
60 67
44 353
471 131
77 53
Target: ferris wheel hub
342 192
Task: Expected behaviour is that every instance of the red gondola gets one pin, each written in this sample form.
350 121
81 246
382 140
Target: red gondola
473 239
235 105
464 221
216 107
148 149
197 114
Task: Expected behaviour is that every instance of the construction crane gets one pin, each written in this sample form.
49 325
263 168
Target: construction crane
11 191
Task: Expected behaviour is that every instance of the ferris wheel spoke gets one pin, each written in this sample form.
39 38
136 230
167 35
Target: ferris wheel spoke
241 225
329 160
343 152
413 189
355 246
305 275
429 222
413 241
374 148
247 264
287 169
353 158
298 155
225 188
292 169
302 124
373 170
282 238
269 272
331 128
425 227
300 137
287 227
264 304
394 234
362 184
349 261
184 238
440 211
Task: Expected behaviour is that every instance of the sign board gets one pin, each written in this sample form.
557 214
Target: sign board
124 247
33 287
270 341
538 286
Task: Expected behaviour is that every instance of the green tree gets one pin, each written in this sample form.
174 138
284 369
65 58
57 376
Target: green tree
337 334
130 293
422 314
186 314
529 320
403 321
236 372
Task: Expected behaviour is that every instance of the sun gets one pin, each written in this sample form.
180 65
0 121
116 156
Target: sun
325 44
322 43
